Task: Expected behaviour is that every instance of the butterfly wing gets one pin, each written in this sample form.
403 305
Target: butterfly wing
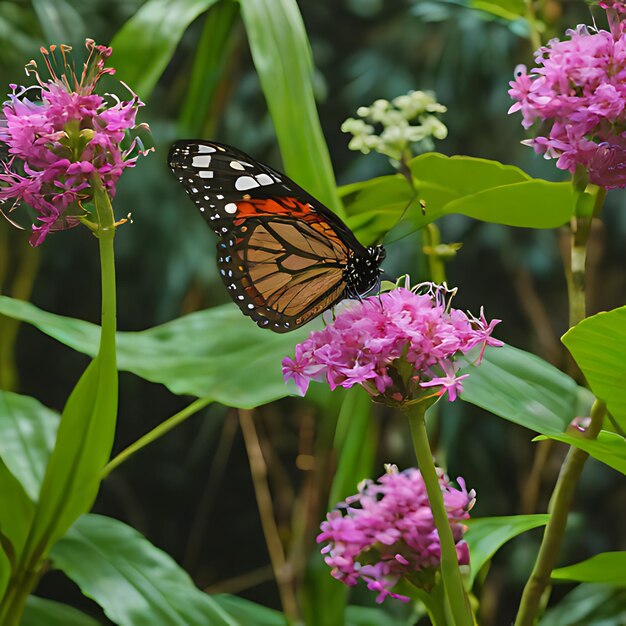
281 253
217 176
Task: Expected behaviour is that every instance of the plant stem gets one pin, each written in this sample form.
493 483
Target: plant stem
155 433
258 469
432 239
563 494
31 564
450 572
559 507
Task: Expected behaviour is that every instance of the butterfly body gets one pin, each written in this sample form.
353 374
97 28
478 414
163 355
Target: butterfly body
284 257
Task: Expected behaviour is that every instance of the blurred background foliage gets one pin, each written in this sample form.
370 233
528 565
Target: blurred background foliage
190 493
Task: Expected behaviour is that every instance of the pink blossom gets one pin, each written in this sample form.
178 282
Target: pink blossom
393 345
577 92
386 531
58 134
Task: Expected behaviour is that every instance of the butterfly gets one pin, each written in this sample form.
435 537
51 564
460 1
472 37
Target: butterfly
283 256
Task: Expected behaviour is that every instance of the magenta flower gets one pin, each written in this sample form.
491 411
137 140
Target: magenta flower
577 95
394 345
59 134
386 532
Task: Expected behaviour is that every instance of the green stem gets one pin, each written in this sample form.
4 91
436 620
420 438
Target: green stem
559 507
32 562
155 433
450 573
531 18
434 601
432 239
563 494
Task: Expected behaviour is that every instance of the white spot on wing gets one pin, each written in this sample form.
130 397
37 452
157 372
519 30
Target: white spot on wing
201 161
264 179
205 174
236 165
231 208
245 182
206 149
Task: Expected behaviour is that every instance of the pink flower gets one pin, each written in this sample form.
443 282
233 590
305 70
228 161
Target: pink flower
577 92
58 134
393 345
387 531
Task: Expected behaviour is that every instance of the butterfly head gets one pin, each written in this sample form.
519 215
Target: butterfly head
363 271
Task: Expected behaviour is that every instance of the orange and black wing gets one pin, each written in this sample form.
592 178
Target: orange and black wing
281 254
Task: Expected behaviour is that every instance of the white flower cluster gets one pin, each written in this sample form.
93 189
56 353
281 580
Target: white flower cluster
408 120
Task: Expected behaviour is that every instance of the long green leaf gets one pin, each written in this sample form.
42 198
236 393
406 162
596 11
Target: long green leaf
219 354
598 345
608 448
478 188
282 57
589 605
59 21
216 353
27 433
608 568
487 535
522 388
353 437
135 583
214 50
16 514
82 448
146 43
41 612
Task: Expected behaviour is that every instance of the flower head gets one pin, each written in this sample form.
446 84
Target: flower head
394 345
59 133
408 120
577 92
386 531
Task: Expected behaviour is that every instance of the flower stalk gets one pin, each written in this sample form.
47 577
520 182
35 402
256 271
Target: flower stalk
563 494
155 433
559 508
31 566
450 573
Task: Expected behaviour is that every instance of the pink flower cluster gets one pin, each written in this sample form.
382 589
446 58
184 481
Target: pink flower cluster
613 5
387 531
578 93
393 345
57 141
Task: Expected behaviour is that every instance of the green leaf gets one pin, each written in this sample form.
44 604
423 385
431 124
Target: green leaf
5 572
369 616
608 448
246 612
41 612
135 583
16 513
598 345
353 446
484 190
607 568
282 58
83 445
144 46
506 9
487 535
59 21
216 353
522 388
27 433
588 605
213 51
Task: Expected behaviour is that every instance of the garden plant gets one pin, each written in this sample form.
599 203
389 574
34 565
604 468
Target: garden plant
372 422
